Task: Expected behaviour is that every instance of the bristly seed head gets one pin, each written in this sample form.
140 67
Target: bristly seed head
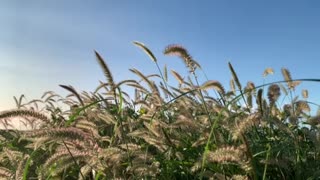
178 50
273 93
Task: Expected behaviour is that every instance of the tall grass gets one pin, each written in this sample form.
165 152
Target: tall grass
195 130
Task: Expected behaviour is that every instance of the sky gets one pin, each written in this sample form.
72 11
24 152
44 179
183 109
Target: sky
47 43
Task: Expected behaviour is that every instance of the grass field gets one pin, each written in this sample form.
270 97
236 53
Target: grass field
194 130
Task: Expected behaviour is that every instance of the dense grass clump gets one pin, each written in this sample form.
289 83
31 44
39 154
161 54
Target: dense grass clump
194 130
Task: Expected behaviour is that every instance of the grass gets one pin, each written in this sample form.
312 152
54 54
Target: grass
195 130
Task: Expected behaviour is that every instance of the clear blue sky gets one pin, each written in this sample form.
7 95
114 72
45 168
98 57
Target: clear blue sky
46 43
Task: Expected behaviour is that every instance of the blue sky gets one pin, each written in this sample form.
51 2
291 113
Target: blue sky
47 43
